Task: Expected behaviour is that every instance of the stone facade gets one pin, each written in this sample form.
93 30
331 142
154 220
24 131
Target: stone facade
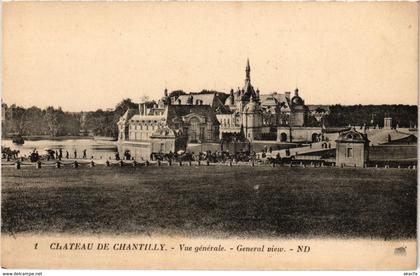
172 129
299 134
352 149
203 117
259 115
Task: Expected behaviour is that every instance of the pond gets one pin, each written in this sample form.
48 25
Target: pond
96 148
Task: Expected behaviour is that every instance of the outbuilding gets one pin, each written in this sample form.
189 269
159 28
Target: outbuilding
352 149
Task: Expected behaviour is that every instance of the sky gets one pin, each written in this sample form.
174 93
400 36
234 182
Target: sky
85 56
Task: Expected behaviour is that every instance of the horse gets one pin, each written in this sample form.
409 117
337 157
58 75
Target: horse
9 153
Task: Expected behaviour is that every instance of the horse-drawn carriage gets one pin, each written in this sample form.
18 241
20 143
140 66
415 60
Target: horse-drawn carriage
8 153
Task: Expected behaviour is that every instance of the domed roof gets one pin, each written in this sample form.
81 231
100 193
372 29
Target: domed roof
296 100
251 107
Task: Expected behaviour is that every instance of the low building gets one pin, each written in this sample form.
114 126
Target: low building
300 134
165 140
352 149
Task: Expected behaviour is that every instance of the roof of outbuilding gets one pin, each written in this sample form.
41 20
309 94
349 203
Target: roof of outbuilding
384 136
352 136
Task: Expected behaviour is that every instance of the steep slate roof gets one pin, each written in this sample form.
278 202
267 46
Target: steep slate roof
210 99
129 114
274 99
178 111
249 91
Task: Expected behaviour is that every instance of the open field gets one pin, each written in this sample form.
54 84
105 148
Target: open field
220 201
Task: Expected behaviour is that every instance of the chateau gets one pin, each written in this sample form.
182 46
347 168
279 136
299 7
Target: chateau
175 120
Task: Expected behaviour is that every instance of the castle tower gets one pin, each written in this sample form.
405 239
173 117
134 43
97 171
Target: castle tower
247 72
166 99
252 120
297 116
249 91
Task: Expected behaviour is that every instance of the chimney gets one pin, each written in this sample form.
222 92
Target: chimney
141 108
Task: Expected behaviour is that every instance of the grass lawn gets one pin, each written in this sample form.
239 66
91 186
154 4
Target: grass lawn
220 201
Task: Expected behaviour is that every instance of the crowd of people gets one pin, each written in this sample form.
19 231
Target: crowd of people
35 156
58 154
211 156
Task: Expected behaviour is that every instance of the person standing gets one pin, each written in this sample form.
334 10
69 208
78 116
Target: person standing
67 154
75 154
84 154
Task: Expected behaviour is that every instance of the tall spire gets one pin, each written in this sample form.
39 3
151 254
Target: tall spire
248 70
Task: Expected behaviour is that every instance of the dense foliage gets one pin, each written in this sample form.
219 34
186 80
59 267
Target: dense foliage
403 115
53 122
36 121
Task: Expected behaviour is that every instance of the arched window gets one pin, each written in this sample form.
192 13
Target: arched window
283 137
195 129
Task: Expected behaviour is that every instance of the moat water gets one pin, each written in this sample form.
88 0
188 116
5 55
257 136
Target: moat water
96 148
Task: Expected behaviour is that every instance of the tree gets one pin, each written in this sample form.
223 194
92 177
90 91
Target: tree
177 93
123 106
18 119
52 121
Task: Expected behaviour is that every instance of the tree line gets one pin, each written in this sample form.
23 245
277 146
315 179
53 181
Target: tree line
371 115
35 121
53 122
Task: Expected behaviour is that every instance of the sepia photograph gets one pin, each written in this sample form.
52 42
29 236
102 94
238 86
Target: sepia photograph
209 135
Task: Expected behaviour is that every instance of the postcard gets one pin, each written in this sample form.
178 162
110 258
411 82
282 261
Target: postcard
209 135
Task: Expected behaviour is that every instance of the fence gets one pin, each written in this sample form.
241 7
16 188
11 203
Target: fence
133 163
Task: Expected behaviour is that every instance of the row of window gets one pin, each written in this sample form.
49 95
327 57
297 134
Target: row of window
143 127
229 122
139 135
